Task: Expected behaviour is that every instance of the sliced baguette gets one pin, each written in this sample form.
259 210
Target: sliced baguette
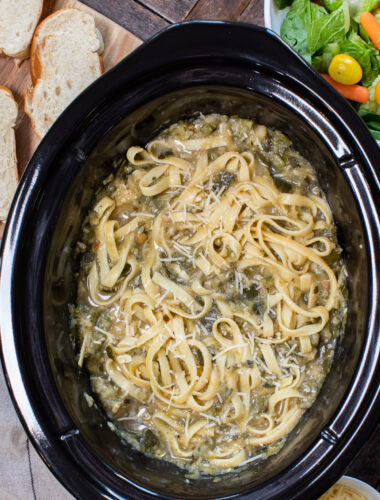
64 61
18 20
8 159
66 23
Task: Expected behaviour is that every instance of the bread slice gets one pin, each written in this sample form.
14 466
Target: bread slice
18 20
64 61
67 23
8 160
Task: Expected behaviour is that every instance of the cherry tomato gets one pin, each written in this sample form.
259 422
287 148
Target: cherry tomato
345 69
377 93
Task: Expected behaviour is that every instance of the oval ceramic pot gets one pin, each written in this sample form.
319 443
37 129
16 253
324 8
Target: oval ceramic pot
193 67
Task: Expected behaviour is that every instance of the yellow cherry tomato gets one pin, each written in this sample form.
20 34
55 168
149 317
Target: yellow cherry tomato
345 69
377 93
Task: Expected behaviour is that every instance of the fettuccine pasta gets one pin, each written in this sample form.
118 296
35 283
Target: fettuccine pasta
211 293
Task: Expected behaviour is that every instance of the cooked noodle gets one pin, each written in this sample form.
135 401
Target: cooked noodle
217 293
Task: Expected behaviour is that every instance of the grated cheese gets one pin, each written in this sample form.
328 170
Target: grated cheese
161 299
228 349
142 214
210 417
102 331
187 424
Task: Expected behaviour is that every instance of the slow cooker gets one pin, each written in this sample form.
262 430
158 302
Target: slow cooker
193 67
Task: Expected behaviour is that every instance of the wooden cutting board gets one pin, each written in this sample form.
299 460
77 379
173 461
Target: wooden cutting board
118 42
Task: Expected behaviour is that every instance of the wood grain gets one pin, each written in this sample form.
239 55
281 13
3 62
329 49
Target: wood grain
218 9
172 11
145 17
141 21
253 13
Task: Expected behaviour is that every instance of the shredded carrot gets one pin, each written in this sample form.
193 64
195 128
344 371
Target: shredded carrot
354 92
372 27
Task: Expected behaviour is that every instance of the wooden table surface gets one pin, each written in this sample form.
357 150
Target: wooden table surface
144 18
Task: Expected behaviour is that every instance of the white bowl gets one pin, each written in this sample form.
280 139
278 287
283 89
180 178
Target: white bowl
273 17
361 487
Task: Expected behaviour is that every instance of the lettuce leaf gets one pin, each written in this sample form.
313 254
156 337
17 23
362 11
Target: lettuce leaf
281 4
325 27
373 123
366 54
294 28
309 27
371 106
321 61
332 4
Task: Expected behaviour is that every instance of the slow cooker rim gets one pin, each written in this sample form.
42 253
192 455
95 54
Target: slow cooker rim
22 199
68 435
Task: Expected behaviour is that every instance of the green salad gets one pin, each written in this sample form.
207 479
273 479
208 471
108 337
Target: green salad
341 40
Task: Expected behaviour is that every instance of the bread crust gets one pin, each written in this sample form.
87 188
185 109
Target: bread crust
35 57
28 95
35 62
7 91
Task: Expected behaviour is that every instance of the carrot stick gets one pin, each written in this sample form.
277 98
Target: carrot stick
354 92
372 27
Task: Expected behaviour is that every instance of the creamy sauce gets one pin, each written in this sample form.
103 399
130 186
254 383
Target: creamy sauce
205 332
